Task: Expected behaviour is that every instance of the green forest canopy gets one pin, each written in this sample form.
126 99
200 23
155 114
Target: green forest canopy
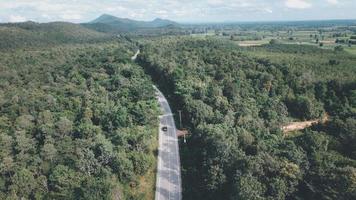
234 101
78 118
76 122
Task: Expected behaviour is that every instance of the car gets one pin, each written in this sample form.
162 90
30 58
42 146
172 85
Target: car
164 128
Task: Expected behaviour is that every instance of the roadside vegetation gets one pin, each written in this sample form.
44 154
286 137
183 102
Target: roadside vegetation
77 121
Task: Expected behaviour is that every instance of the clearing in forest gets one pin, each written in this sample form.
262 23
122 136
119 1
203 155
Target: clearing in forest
296 126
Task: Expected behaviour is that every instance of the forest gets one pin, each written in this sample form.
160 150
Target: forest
79 118
235 100
77 121
32 35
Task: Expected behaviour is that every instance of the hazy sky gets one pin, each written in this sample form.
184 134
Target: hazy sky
179 10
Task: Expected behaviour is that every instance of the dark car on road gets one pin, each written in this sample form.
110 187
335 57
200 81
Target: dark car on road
164 128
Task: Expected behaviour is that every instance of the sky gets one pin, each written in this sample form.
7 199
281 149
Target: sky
178 10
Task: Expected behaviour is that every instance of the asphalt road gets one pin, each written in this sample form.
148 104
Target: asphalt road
133 58
168 180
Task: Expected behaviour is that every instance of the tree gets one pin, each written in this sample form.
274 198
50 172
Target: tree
23 183
64 126
273 41
248 187
304 107
338 48
96 188
49 152
123 167
87 163
24 146
25 122
64 182
216 178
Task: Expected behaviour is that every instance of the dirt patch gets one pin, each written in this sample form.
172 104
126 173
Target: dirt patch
328 41
296 126
251 43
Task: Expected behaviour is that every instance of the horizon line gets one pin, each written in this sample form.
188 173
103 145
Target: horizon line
184 22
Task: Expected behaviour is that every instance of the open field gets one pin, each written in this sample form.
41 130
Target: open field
351 50
325 39
250 43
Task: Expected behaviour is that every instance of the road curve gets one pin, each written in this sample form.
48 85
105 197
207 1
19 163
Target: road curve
168 178
133 58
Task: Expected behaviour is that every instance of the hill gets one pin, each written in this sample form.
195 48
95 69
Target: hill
109 23
32 34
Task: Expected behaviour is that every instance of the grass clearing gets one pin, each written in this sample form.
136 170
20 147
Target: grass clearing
351 50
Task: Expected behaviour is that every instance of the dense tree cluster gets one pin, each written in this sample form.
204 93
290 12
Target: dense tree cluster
235 100
76 122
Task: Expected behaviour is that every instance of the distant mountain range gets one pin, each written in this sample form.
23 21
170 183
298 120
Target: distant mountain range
109 23
33 34
106 27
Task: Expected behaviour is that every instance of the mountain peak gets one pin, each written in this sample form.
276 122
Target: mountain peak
106 15
163 22
104 18
126 24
